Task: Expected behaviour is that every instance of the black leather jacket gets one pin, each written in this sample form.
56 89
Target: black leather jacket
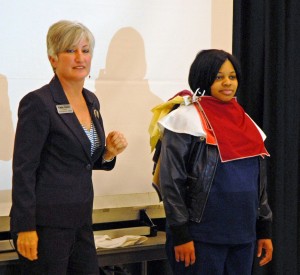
187 171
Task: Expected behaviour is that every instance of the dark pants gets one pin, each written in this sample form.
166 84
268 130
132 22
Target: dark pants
214 259
63 251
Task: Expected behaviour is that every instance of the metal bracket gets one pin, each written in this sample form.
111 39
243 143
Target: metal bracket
145 219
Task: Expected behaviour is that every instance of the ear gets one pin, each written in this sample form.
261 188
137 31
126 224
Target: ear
53 61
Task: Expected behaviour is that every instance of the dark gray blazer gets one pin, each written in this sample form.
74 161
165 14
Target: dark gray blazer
52 162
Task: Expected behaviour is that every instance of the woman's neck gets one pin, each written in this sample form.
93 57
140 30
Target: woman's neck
72 89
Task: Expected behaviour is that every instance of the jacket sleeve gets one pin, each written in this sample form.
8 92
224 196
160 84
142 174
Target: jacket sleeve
173 177
101 165
264 222
31 134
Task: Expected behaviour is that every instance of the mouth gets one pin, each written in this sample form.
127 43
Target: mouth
79 67
226 92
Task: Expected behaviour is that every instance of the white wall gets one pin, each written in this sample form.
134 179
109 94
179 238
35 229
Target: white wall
142 57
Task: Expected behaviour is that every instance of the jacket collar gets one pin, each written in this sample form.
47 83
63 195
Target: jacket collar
59 95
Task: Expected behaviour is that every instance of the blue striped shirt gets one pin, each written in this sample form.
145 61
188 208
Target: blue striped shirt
92 136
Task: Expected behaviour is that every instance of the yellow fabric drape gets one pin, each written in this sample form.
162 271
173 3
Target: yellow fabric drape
159 112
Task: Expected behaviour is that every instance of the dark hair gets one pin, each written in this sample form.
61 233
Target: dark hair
205 68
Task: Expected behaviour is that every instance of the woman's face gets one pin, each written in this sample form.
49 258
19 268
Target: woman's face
226 83
73 64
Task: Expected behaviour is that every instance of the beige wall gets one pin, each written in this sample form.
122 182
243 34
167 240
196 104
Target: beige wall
158 54
222 15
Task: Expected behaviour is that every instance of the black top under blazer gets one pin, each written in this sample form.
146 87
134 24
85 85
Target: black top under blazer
52 162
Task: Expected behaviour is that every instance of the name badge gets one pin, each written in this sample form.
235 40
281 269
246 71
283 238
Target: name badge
64 109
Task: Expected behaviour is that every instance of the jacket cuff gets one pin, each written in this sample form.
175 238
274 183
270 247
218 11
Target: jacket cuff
181 234
107 166
22 224
263 230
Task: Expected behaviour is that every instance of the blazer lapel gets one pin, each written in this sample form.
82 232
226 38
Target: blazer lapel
70 119
97 120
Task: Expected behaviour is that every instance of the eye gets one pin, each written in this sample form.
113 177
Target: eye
218 77
232 77
70 51
86 50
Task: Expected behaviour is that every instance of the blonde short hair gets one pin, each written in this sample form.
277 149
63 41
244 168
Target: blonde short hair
64 34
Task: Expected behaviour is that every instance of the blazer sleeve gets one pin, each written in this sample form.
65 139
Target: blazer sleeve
31 134
101 165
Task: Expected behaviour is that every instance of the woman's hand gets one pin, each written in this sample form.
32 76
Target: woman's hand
115 144
185 253
27 244
267 245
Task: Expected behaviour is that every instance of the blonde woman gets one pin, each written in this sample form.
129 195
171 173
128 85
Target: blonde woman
59 140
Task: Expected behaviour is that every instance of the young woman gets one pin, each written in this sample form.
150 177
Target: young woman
213 176
59 140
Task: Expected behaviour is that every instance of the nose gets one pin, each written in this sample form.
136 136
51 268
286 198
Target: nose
78 56
227 81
